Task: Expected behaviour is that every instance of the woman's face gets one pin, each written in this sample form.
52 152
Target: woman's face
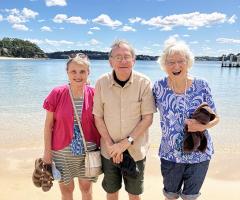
176 66
77 74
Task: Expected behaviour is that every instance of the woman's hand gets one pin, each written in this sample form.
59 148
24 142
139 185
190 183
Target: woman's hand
194 125
47 157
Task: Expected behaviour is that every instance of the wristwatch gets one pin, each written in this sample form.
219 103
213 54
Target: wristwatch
130 139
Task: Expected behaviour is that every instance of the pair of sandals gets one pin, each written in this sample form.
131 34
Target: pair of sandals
197 140
42 175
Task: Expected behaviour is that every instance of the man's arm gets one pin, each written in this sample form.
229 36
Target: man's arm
139 130
102 129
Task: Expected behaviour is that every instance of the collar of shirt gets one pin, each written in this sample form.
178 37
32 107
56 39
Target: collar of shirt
113 82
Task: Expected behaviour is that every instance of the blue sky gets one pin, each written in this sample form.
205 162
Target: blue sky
210 27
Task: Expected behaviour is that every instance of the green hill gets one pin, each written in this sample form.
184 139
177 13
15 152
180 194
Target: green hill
93 55
13 47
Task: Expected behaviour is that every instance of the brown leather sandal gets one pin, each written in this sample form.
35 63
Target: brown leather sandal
42 175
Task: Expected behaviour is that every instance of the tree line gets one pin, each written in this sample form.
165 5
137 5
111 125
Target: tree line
13 47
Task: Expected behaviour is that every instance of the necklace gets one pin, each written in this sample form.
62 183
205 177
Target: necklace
178 102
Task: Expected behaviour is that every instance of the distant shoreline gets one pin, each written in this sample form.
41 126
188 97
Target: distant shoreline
17 58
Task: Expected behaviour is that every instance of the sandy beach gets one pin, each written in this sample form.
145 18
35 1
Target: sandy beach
222 182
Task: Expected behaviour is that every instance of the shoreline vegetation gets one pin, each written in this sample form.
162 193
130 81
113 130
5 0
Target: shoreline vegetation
14 48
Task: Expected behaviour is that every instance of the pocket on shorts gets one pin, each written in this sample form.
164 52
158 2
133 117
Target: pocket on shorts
166 166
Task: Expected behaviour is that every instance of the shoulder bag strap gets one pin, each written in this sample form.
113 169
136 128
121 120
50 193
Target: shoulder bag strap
77 117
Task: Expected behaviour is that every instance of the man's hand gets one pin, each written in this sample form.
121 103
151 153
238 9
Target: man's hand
116 150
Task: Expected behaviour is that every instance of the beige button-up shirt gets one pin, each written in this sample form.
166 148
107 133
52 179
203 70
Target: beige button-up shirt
122 109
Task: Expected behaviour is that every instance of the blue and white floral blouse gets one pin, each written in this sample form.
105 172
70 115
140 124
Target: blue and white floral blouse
174 109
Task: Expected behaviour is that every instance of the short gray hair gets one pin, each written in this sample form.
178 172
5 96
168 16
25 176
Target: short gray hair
172 46
118 43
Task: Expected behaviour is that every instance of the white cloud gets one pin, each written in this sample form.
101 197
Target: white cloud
186 35
56 3
16 16
232 19
191 20
57 43
228 41
41 20
206 48
89 32
171 39
1 17
46 28
127 29
194 42
60 18
174 37
20 27
94 42
13 11
105 20
156 45
35 41
134 20
28 13
167 28
76 20
95 28
15 19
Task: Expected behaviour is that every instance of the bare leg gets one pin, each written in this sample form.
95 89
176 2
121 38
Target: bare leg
112 196
67 190
86 189
134 197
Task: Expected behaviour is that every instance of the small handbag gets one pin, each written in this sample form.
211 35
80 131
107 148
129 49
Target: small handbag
93 164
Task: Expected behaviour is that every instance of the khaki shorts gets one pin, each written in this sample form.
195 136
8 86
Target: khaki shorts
112 181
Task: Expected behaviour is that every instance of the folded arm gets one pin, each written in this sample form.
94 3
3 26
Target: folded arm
140 129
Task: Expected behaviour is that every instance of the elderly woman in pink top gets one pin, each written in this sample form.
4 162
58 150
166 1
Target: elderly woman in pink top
63 142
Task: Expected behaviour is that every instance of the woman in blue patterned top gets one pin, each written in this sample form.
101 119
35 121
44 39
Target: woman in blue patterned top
177 96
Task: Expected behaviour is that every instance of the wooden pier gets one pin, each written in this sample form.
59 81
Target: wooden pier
230 62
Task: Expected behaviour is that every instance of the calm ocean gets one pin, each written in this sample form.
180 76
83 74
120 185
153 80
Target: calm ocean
25 84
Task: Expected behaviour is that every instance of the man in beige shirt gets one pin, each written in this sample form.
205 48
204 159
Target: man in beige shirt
123 110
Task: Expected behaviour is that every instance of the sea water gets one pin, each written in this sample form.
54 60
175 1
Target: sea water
25 83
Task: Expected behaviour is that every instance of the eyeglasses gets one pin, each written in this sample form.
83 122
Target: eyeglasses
79 55
127 58
172 63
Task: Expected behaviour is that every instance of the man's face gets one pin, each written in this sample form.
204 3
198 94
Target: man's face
122 61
